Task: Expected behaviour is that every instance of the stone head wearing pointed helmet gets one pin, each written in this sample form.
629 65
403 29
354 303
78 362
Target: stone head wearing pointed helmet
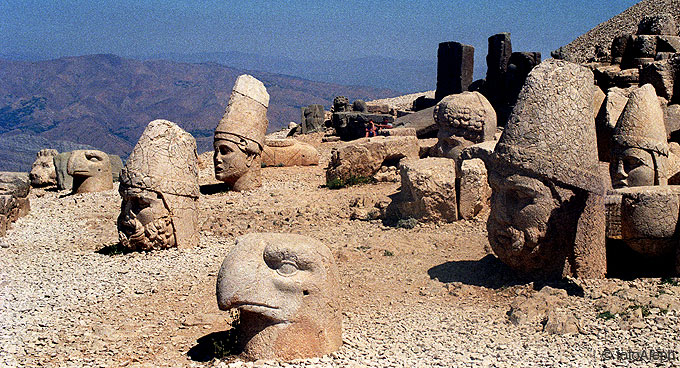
239 136
640 150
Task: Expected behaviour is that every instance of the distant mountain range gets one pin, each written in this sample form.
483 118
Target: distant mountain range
106 101
406 76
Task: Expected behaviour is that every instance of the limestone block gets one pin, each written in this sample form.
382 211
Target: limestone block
483 151
475 191
649 217
644 46
671 115
378 109
43 172
606 119
429 189
398 132
91 171
289 152
287 278
116 166
612 204
422 121
618 48
364 157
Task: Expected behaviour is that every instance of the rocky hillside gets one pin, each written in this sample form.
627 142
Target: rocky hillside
105 101
583 48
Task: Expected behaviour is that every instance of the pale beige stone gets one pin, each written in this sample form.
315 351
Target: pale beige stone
475 191
159 187
286 289
428 189
91 171
364 157
289 152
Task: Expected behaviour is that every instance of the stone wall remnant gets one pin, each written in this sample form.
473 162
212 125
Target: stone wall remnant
455 67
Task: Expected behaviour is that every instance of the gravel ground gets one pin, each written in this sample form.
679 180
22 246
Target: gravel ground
421 297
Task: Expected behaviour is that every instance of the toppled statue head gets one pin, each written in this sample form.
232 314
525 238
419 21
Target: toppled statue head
239 136
463 120
159 188
639 149
285 287
43 172
547 209
91 171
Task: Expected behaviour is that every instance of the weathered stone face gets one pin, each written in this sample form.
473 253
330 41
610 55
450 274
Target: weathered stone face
547 210
144 222
285 287
518 224
639 147
632 167
159 187
43 171
234 163
91 171
463 119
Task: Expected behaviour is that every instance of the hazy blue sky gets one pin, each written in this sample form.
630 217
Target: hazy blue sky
300 30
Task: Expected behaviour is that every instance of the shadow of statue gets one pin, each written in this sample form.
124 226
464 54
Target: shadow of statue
490 272
216 345
208 189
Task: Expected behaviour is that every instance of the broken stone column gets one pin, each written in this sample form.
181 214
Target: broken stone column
519 66
91 171
312 118
428 189
640 149
43 172
497 60
159 187
239 136
286 289
474 189
547 209
455 66
288 152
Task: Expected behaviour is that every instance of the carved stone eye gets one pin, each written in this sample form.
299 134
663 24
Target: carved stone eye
287 268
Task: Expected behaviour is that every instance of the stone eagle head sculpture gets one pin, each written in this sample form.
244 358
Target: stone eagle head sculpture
285 287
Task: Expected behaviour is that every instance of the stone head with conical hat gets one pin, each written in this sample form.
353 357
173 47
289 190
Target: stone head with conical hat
544 172
159 187
239 136
640 150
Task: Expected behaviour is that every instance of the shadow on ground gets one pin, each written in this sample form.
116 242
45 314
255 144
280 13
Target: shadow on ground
489 272
209 189
216 345
114 249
